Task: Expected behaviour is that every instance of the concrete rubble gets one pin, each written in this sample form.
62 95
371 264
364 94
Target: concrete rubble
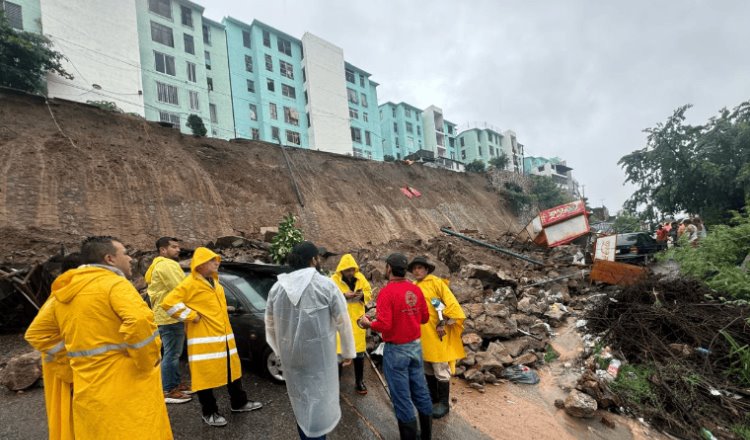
22 371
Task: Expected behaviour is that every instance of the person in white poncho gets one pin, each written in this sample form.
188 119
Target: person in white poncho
304 312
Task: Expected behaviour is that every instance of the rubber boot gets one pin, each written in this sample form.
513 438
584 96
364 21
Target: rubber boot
359 374
408 430
341 370
425 426
443 406
432 387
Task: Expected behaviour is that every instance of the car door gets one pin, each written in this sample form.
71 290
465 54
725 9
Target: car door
239 317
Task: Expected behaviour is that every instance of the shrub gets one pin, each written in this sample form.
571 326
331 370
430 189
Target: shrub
288 236
475 167
196 125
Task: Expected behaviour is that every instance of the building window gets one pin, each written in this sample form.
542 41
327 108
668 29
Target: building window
248 63
397 144
353 113
207 56
273 110
194 104
206 35
14 14
361 80
170 117
452 142
166 93
306 99
292 137
304 76
189 44
269 63
164 63
407 112
349 76
210 84
463 143
364 116
291 116
463 154
367 138
395 127
286 69
419 130
393 111
409 142
363 101
284 46
288 91
160 7
191 73
409 127
246 39
256 134
352 94
479 150
275 133
356 135
308 119
270 85
251 86
187 16
162 34
212 113
253 112
267 39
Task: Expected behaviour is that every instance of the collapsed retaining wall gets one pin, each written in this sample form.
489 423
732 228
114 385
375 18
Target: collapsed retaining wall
104 173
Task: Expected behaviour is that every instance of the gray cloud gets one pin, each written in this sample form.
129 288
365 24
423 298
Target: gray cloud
575 79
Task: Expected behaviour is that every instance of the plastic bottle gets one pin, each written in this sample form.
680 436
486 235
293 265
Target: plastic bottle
614 367
703 351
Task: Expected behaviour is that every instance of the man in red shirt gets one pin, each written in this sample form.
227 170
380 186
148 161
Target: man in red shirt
401 310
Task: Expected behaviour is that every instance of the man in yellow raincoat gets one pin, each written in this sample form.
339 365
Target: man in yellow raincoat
98 318
357 291
162 277
441 338
212 353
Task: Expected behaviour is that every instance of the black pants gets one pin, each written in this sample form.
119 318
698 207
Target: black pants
237 396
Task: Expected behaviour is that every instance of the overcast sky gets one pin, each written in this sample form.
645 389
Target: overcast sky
574 79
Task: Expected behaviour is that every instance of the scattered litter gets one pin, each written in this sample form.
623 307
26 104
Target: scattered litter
520 374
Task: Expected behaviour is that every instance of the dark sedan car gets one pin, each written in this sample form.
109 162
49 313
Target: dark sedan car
246 287
637 247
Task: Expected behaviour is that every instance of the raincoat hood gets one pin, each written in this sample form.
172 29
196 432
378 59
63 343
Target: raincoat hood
66 286
150 272
347 262
200 256
296 282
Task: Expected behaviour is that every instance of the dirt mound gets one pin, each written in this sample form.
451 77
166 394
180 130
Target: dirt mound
103 173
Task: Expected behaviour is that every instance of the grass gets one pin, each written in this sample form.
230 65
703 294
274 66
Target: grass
550 355
743 431
633 384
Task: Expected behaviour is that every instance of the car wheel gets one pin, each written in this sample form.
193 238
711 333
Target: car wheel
272 366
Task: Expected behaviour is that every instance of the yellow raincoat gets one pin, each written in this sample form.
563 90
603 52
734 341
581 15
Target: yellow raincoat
114 350
451 348
162 276
211 338
44 335
356 308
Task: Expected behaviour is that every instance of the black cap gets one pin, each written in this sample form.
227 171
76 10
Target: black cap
422 261
305 251
397 260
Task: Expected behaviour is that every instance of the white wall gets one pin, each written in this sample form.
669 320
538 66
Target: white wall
326 92
100 38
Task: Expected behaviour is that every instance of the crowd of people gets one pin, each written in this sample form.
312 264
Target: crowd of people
670 232
111 363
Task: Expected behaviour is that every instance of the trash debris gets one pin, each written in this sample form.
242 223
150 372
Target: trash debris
520 374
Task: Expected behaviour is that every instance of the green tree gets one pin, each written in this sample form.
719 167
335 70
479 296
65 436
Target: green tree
626 222
388 158
25 59
500 162
475 167
284 241
547 193
196 125
693 168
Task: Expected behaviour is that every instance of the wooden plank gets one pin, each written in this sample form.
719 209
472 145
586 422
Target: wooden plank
612 272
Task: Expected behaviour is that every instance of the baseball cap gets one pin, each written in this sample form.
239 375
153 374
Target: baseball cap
397 260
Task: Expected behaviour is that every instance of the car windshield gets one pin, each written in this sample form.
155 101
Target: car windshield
626 239
255 290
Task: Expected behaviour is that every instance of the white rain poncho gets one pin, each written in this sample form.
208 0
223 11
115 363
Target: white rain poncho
304 312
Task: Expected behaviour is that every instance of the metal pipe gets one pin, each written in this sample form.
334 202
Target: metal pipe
492 246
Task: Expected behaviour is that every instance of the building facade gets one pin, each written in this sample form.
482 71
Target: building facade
23 15
401 129
218 83
554 168
364 117
439 133
487 143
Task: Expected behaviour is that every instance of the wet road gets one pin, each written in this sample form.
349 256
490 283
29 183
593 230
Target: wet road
367 417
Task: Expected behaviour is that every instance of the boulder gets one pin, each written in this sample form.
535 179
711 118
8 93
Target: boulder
525 359
474 375
22 371
469 360
578 404
522 319
473 310
525 305
492 326
487 361
497 310
268 233
473 340
556 313
517 346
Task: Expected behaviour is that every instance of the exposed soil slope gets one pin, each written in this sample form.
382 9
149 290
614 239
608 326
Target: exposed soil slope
123 176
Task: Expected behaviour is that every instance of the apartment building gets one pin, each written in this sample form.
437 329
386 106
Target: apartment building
554 168
401 129
364 116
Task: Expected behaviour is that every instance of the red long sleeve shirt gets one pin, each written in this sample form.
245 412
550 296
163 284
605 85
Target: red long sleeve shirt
401 310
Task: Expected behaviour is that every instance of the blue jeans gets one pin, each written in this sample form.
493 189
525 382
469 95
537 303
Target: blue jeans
172 341
302 435
402 365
